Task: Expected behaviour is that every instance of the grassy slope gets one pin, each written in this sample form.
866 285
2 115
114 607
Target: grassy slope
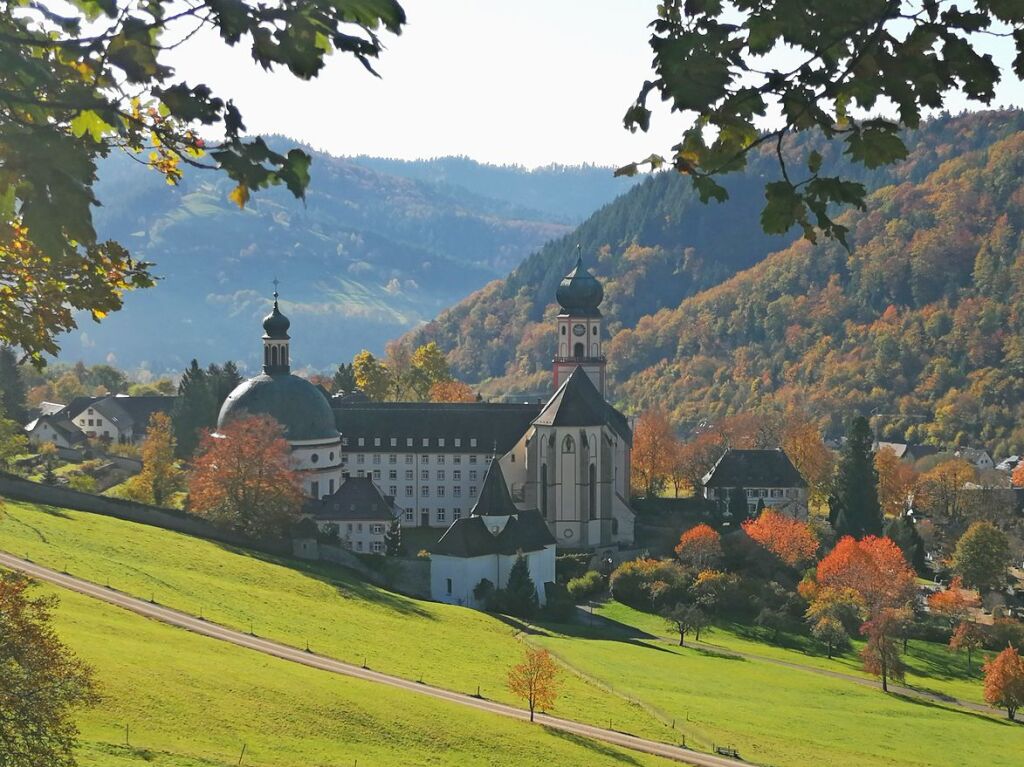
190 701
338 615
930 666
783 717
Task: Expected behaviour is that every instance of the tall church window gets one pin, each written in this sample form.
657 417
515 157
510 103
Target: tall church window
544 489
273 356
592 488
568 444
577 351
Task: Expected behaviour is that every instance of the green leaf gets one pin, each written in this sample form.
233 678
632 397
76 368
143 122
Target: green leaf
708 189
874 147
91 123
783 208
814 161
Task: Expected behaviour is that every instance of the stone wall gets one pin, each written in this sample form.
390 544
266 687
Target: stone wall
408 576
19 489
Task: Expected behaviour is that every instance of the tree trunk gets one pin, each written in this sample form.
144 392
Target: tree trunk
681 642
968 660
885 681
1011 713
698 634
531 710
830 651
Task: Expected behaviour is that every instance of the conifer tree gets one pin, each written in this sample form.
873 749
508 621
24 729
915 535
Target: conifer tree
519 596
738 508
344 379
903 532
853 506
192 411
222 381
393 539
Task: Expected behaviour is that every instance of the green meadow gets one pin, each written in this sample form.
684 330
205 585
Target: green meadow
295 602
190 701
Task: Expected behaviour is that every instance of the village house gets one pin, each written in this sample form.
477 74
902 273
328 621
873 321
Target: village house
359 512
764 477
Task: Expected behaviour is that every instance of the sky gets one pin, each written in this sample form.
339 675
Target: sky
528 82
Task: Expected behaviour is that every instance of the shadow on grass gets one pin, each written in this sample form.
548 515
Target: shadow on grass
599 749
345 582
953 709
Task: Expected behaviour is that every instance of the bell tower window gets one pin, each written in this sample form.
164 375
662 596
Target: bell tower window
577 351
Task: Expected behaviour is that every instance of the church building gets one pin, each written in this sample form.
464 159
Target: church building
564 462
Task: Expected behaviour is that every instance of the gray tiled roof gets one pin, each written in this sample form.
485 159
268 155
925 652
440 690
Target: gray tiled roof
496 427
469 537
754 468
578 403
494 499
357 498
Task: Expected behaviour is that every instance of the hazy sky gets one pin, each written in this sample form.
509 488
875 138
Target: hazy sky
529 82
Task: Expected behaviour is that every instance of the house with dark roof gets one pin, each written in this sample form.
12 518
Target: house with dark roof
485 545
359 512
54 429
116 418
763 477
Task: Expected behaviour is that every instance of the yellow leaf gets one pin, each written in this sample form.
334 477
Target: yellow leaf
239 195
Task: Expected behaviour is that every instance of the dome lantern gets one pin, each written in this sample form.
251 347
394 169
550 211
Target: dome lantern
275 340
579 293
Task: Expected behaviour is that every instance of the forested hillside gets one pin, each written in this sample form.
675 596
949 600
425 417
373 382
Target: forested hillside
366 257
921 323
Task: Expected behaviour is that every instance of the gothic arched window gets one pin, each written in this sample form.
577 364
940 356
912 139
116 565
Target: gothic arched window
568 444
592 481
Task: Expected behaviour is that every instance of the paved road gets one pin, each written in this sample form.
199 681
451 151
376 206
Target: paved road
215 631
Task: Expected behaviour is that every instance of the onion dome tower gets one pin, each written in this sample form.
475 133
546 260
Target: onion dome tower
300 407
579 327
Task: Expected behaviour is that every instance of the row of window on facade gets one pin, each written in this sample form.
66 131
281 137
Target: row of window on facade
377 459
440 515
775 492
439 491
440 474
409 442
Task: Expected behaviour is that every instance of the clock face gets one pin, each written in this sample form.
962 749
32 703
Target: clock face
578 330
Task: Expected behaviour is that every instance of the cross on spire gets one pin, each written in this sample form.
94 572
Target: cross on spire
275 290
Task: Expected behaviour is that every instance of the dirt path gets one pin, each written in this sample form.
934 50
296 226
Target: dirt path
215 631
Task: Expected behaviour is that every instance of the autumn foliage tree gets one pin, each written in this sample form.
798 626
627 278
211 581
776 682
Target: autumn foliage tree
802 443
243 478
896 481
967 636
160 475
881 654
535 680
982 555
873 567
654 443
789 539
1004 681
954 603
451 391
42 683
699 547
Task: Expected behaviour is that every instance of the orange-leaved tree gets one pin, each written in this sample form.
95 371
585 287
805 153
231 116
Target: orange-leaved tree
1004 681
896 481
881 654
1017 477
243 478
535 680
699 547
791 540
451 391
873 567
654 446
968 636
803 444
955 603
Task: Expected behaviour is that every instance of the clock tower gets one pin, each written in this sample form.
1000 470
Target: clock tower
579 327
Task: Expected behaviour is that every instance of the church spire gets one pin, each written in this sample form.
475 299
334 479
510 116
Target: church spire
275 340
579 326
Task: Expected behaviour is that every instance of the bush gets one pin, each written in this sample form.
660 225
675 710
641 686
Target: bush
648 584
82 482
570 566
588 584
1003 632
483 593
559 607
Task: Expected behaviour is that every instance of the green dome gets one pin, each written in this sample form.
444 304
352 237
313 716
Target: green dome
299 406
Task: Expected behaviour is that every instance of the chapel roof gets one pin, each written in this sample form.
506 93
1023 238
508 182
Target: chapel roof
356 498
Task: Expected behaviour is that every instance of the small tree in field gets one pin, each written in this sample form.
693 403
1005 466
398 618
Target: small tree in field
1004 681
881 654
243 478
955 603
42 683
967 636
684 619
535 680
830 632
699 547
